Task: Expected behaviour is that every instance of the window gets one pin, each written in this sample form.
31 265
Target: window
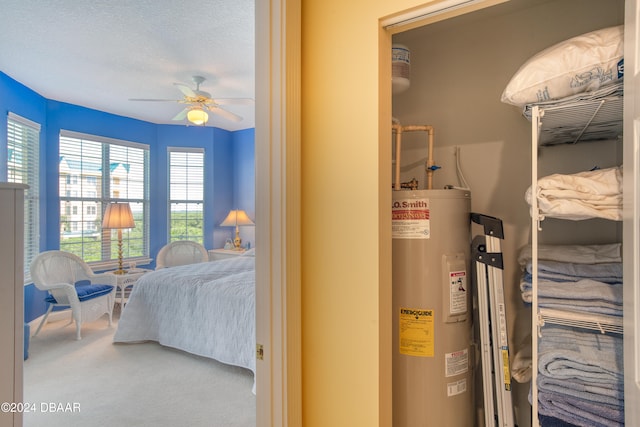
186 194
23 144
94 171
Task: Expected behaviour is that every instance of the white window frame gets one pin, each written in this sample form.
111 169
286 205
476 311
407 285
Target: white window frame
24 135
189 184
134 249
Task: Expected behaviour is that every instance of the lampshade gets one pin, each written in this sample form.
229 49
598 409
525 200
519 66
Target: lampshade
236 217
197 116
118 215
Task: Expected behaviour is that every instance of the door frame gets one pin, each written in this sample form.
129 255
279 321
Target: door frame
631 213
278 244
278 189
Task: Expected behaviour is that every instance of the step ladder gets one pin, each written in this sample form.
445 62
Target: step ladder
488 281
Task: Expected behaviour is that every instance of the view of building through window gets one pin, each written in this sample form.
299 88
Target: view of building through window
93 172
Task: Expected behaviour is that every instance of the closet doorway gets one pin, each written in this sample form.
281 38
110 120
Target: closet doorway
459 68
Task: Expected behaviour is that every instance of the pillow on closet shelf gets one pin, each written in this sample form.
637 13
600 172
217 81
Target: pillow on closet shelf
580 64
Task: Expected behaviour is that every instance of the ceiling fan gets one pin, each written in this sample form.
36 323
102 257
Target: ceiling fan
199 102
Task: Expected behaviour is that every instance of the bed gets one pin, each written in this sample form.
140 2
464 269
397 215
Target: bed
207 309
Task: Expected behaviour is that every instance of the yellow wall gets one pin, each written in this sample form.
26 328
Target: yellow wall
346 289
346 273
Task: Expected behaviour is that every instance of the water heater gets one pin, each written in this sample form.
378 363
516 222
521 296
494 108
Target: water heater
432 314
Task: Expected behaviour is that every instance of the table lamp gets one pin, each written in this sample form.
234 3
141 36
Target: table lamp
118 216
236 218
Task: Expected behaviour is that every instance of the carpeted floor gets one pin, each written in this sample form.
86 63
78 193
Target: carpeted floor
93 382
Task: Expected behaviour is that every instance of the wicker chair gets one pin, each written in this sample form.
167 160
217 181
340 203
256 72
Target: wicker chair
71 283
181 252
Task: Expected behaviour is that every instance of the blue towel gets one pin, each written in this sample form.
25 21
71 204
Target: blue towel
582 307
567 353
611 394
546 421
585 295
580 412
569 272
583 289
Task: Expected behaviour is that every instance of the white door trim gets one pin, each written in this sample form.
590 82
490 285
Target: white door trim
631 213
278 277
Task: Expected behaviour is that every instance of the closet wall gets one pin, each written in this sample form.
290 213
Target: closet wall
459 68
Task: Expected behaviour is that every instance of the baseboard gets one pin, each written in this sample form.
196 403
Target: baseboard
55 316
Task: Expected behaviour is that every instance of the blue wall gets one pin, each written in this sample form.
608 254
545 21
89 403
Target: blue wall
229 166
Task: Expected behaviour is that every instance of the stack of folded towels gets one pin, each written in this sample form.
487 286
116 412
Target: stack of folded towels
580 377
580 372
583 279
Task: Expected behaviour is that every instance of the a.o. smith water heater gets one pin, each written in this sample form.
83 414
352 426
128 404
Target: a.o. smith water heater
432 313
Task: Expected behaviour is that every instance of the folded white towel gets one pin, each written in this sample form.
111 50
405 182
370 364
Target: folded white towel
583 195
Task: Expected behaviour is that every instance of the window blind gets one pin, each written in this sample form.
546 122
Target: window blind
23 154
186 194
94 171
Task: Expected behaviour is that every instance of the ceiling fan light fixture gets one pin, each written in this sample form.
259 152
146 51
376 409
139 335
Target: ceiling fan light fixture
197 116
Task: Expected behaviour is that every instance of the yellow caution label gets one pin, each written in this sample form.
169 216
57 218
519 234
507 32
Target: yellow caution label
416 332
505 369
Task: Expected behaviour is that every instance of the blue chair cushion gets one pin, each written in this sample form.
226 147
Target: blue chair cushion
86 292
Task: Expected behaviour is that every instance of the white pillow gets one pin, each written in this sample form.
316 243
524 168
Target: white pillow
249 252
577 65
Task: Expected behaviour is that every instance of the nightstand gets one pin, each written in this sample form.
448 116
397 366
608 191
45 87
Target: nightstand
218 254
126 282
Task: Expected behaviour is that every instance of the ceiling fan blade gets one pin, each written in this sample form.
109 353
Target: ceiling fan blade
149 99
186 90
181 115
234 101
224 113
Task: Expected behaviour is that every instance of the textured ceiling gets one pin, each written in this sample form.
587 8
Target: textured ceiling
100 54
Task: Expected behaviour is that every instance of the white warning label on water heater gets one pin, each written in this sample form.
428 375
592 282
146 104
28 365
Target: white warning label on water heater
458 292
456 363
410 219
456 387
